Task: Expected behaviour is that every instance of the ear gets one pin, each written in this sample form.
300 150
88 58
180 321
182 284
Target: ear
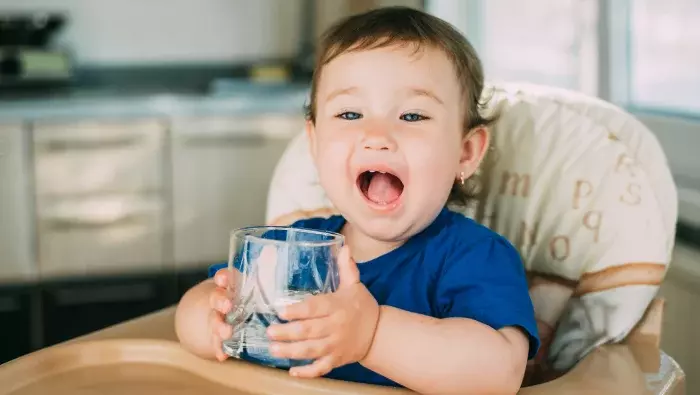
310 129
474 147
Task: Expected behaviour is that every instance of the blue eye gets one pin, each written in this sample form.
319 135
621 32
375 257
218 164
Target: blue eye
349 116
412 117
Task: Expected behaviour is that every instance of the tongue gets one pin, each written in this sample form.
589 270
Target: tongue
384 188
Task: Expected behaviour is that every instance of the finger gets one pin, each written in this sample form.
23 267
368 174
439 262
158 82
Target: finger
222 278
318 368
307 349
347 269
219 301
266 270
316 306
315 328
268 256
217 346
218 327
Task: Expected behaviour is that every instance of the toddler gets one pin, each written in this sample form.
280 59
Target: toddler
428 299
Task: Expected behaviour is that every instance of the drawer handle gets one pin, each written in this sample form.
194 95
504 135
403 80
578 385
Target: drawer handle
63 224
217 140
88 145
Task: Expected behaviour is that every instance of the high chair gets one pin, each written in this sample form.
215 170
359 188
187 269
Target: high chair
580 187
583 190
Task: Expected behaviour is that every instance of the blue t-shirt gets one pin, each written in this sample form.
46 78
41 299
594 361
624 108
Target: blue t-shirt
453 268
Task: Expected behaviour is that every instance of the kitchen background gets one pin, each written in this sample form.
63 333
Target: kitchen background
135 134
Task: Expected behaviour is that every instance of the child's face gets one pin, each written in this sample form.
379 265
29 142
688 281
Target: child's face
395 111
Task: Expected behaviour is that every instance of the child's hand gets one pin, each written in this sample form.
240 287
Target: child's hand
334 329
220 304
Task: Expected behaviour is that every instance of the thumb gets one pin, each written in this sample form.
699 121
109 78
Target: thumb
347 269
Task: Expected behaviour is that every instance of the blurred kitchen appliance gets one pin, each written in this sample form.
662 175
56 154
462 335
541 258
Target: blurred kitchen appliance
27 55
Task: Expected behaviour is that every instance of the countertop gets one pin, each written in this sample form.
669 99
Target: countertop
224 98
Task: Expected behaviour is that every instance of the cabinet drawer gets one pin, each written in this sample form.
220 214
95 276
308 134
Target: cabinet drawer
97 157
119 234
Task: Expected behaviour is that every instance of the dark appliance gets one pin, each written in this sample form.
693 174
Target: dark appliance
27 54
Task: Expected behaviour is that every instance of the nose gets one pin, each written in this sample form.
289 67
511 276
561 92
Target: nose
378 138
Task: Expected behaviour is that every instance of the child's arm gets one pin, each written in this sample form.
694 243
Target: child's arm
447 356
199 321
472 346
483 337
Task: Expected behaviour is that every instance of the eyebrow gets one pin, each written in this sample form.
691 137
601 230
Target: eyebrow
426 93
412 91
339 92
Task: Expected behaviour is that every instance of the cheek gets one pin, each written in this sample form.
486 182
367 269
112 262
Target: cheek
332 156
436 158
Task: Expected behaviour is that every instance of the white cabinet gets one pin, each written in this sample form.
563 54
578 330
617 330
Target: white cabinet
97 156
101 235
222 171
16 261
100 198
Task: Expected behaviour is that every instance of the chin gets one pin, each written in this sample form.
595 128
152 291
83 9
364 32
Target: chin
384 228
385 231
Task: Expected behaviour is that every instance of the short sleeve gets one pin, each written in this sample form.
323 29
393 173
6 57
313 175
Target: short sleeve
486 282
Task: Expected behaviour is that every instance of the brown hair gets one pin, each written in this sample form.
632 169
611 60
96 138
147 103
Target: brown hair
389 26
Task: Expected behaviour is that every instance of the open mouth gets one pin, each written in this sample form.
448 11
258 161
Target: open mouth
380 187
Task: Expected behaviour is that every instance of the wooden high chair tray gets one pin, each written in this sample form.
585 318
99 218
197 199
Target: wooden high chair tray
153 367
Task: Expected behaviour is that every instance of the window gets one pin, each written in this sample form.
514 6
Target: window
548 42
643 55
536 44
664 41
640 54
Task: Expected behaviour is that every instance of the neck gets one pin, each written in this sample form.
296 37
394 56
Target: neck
364 248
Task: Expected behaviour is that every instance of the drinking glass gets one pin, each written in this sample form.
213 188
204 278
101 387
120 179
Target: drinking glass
272 267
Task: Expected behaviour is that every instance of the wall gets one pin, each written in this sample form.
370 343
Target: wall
126 32
329 11
118 32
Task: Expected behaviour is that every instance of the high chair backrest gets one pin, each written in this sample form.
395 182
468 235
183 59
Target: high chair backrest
579 186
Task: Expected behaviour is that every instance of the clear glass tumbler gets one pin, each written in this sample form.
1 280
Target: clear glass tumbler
272 267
